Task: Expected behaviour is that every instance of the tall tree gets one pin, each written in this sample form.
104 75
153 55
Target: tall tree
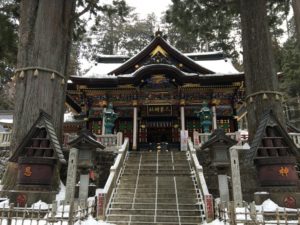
45 36
216 24
260 75
296 9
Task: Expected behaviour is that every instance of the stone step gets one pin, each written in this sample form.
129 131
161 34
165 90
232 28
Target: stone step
153 205
151 219
146 193
153 186
151 166
161 174
154 162
168 180
153 190
153 212
149 223
153 195
161 184
181 200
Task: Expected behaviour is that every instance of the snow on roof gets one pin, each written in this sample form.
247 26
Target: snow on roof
100 70
202 53
114 56
221 66
6 119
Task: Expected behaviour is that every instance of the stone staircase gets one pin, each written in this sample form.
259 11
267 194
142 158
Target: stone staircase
156 188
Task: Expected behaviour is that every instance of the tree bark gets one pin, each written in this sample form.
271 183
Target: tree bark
260 74
296 9
45 36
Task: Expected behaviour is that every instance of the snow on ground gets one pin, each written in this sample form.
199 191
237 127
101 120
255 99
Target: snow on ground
40 205
62 192
91 221
216 222
270 206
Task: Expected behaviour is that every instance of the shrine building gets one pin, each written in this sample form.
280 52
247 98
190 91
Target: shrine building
156 93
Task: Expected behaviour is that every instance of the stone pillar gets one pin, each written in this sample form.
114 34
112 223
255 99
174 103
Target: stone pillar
235 177
214 114
223 188
134 137
71 177
83 188
103 121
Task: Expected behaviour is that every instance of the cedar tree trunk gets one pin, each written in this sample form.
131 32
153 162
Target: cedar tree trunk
296 9
44 41
259 67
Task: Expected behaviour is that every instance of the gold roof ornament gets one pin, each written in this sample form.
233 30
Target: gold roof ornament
157 50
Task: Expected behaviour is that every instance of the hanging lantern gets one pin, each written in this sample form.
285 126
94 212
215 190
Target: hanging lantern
63 81
52 76
277 97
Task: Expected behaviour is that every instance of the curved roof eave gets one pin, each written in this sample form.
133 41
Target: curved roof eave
158 40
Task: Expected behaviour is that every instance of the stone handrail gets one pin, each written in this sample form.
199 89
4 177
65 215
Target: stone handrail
198 169
104 195
241 138
201 138
206 196
108 140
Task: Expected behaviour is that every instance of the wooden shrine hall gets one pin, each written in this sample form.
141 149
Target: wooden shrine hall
157 92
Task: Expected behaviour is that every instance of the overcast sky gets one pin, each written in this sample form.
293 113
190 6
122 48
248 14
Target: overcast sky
144 7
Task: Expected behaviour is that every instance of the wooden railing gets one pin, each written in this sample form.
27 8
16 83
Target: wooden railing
40 214
5 138
296 138
249 214
104 195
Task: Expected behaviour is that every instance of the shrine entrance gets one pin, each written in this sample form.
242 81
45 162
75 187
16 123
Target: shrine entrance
159 131
160 134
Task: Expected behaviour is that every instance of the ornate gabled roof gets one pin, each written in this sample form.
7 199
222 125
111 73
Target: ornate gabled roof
43 122
270 122
216 136
160 52
86 136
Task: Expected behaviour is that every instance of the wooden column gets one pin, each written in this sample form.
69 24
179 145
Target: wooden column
134 137
182 115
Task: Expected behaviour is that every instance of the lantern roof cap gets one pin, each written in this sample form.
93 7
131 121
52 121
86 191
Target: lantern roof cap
86 136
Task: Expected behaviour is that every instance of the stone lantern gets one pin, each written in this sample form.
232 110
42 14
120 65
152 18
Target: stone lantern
218 145
87 145
87 148
205 117
218 164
